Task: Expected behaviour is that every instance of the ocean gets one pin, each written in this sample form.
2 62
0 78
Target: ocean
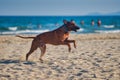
10 25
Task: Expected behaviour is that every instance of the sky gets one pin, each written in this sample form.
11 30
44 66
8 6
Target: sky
58 7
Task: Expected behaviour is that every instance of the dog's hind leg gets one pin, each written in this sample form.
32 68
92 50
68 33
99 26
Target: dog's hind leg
34 46
43 50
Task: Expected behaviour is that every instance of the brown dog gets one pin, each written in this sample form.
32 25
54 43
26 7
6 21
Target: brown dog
55 37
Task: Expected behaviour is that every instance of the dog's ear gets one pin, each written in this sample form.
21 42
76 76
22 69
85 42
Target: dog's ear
65 21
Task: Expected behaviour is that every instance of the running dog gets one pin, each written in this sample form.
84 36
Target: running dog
58 36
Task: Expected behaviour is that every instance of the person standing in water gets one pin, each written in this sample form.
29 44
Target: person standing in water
82 22
92 22
99 22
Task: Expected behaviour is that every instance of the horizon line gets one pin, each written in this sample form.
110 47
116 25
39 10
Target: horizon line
62 15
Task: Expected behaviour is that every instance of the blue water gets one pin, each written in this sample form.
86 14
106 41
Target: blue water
39 24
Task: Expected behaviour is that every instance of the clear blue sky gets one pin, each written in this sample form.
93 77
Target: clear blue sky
57 7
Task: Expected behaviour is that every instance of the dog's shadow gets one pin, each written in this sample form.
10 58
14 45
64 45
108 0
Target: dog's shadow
4 61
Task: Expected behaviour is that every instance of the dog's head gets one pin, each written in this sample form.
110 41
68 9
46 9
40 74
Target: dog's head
71 26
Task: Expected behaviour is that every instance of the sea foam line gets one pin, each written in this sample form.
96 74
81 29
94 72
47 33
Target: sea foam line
24 32
106 31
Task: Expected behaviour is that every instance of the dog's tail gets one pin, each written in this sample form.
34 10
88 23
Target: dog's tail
25 37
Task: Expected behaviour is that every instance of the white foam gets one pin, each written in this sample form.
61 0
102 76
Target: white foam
12 28
110 31
81 30
24 32
109 26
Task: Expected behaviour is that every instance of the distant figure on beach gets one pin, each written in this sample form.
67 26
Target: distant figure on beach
82 22
29 25
99 22
57 25
92 22
39 26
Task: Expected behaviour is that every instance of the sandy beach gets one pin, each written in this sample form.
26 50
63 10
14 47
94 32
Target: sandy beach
97 57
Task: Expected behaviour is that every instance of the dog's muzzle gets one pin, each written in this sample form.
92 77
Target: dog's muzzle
76 28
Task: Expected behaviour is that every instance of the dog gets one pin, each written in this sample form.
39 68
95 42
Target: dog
58 36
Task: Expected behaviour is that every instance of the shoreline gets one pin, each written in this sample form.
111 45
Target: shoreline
97 57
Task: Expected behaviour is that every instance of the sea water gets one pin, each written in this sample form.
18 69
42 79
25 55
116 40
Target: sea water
40 24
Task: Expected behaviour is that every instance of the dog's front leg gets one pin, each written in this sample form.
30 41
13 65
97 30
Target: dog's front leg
71 41
66 43
69 47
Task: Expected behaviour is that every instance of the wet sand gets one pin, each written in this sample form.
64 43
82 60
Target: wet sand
97 57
